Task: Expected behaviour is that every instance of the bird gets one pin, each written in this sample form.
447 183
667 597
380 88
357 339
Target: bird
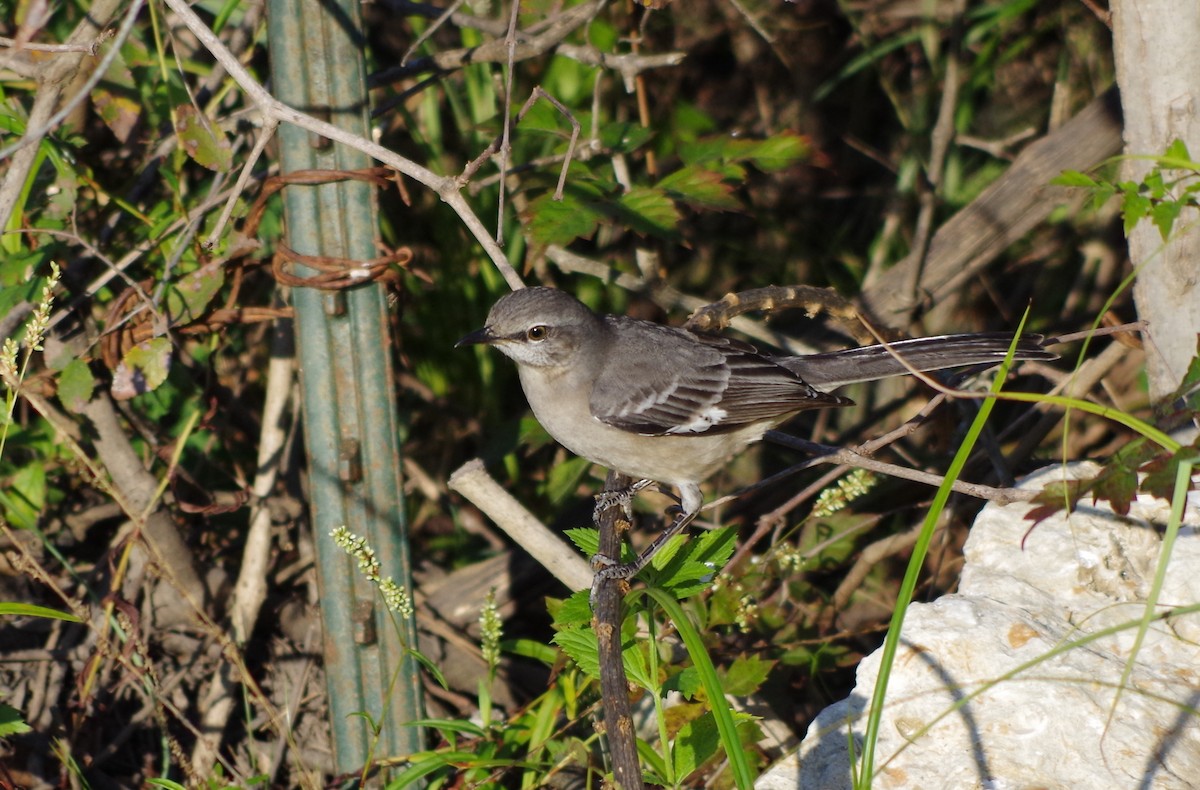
670 405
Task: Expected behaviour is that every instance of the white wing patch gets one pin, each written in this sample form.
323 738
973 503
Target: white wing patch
702 422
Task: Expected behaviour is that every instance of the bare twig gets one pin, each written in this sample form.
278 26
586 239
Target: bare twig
943 133
447 188
446 16
527 46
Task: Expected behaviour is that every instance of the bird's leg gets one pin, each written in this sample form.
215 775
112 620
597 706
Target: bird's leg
607 568
630 569
624 498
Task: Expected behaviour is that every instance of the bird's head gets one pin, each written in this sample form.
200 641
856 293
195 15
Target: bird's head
539 327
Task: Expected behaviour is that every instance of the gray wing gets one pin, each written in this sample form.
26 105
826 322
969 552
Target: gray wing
660 380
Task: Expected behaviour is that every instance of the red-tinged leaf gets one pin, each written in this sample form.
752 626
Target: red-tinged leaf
202 140
700 187
1058 495
1160 475
1118 486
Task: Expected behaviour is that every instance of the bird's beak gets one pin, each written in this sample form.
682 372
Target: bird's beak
478 336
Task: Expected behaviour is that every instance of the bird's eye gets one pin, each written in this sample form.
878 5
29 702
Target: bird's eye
536 333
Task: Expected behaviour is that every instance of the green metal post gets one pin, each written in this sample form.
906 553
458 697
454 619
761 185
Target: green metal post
350 419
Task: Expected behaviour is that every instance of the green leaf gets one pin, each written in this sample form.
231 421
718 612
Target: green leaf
687 683
560 222
746 675
1134 206
1178 150
580 644
649 210
25 496
188 298
33 610
201 140
116 99
563 479
586 539
11 722
1074 178
576 611
700 187
778 152
76 385
1153 183
624 137
694 744
1164 214
143 369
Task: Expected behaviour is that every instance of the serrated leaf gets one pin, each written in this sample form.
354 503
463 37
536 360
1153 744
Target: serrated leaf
687 683
581 645
1056 496
1134 207
576 611
188 299
202 140
687 567
1116 485
1178 150
1164 214
560 222
705 150
780 151
76 384
649 210
586 539
1074 178
700 187
746 675
1160 474
1154 186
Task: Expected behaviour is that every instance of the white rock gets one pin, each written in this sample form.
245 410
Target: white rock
1038 712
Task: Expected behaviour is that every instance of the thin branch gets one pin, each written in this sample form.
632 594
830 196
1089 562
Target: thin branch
429 31
35 133
447 188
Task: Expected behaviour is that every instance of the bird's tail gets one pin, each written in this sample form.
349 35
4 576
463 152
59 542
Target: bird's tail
836 368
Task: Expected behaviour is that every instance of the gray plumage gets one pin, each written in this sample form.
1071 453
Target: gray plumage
671 405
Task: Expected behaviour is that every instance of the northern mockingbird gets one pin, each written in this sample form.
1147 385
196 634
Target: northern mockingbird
671 406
